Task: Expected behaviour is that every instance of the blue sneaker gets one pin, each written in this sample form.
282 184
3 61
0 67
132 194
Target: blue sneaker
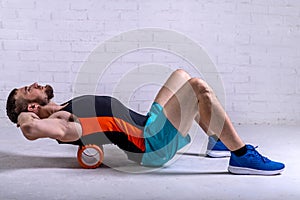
216 149
253 163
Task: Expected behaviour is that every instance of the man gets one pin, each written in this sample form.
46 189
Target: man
150 140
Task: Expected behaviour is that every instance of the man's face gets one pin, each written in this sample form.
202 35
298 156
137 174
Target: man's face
36 93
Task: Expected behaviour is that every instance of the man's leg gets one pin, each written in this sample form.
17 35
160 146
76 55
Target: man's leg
178 78
195 99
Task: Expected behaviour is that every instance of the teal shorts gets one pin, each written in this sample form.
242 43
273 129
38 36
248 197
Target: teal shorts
162 139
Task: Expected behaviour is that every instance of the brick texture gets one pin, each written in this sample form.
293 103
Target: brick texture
254 45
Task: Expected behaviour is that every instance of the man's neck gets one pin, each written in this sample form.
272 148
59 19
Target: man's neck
49 109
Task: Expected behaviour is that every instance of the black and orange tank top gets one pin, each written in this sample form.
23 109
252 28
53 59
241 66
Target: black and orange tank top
105 120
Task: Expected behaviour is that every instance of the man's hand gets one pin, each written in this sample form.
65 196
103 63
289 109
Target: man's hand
25 117
57 126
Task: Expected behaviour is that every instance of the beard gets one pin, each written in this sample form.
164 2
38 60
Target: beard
44 101
49 92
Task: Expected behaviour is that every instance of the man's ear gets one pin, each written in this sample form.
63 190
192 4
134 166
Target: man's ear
33 107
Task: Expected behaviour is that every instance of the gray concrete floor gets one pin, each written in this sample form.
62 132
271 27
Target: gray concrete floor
43 169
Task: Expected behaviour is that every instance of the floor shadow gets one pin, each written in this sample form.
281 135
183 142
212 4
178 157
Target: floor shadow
192 154
184 173
13 161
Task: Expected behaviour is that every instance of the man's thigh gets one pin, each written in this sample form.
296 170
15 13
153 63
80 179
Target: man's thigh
175 81
182 108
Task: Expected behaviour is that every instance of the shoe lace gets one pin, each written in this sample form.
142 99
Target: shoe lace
258 155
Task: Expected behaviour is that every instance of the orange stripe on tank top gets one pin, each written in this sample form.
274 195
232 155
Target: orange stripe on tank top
92 125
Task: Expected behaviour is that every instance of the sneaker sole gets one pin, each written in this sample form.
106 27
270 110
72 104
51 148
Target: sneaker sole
218 154
249 171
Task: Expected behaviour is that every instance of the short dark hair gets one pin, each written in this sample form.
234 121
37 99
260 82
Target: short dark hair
15 106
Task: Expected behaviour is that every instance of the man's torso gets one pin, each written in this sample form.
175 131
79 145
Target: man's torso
106 120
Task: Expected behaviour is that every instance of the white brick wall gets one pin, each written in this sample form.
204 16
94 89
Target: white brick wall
254 44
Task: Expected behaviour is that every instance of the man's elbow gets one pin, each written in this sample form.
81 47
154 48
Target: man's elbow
30 137
27 129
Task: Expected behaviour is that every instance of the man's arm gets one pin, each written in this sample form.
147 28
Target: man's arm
57 126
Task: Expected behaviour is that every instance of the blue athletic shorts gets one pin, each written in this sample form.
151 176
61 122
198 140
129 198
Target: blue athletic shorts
162 139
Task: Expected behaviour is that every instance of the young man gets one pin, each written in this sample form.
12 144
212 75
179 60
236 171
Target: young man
150 140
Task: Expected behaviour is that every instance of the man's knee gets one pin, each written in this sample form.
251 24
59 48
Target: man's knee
201 88
182 73
199 85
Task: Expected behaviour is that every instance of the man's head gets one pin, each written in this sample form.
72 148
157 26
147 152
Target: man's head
19 100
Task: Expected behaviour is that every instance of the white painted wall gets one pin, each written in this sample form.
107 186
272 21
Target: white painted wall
253 43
